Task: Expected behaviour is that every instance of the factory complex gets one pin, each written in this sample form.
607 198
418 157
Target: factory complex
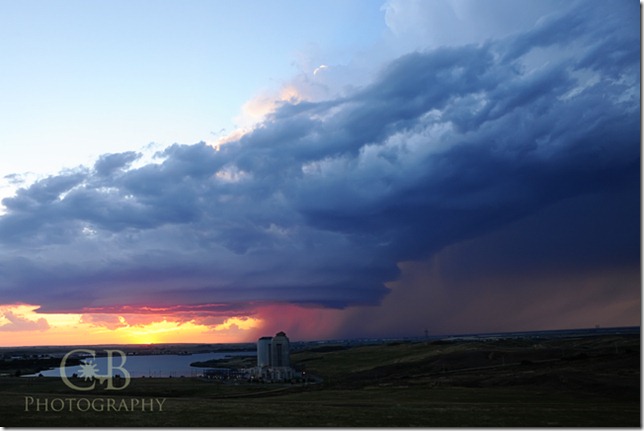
273 360
273 363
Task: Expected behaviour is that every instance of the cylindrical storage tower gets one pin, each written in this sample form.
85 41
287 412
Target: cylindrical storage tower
281 351
264 352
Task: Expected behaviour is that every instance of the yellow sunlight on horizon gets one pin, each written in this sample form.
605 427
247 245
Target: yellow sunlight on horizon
21 325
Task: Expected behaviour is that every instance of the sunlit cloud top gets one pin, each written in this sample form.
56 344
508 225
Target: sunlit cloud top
323 190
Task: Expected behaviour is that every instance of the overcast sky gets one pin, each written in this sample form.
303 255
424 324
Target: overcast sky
326 168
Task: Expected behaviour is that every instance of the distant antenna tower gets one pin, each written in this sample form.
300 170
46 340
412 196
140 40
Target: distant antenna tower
426 334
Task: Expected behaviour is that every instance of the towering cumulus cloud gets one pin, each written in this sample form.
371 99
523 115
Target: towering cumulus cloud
321 201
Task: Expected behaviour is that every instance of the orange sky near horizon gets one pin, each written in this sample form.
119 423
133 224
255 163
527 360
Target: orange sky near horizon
418 300
21 325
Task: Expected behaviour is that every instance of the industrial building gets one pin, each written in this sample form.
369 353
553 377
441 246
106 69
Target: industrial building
264 351
273 359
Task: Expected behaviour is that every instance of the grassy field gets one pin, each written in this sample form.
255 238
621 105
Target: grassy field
591 381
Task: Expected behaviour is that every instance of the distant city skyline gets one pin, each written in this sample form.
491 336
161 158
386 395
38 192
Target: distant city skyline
212 172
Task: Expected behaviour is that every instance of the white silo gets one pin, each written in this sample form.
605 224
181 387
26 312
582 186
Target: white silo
264 351
281 351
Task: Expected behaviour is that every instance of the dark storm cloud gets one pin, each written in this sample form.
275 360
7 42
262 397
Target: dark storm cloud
557 268
108 163
318 204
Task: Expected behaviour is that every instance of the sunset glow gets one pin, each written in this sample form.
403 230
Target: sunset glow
21 325
332 170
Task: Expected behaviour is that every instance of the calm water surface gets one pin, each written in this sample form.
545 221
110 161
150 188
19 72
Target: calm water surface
151 365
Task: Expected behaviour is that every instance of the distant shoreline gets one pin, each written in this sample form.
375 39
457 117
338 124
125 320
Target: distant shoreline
192 348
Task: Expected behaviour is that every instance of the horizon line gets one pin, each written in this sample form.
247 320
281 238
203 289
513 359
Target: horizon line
415 337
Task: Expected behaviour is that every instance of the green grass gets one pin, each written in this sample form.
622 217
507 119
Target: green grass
389 386
194 403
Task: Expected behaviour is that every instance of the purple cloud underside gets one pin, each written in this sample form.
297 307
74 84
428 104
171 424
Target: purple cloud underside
319 203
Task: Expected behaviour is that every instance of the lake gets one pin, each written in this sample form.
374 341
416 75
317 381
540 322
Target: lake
151 365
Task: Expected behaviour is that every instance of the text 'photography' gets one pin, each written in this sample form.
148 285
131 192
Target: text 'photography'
368 213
